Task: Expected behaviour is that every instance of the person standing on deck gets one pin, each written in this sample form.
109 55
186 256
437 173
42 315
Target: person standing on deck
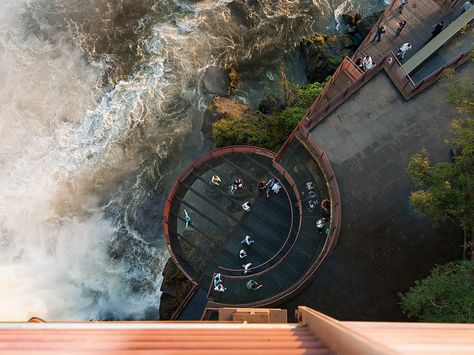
246 206
403 49
467 5
218 286
401 26
187 219
276 187
246 267
437 30
378 34
253 285
215 180
321 223
403 3
247 240
367 63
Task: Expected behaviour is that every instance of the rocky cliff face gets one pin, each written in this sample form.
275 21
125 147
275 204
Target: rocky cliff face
324 53
222 108
174 289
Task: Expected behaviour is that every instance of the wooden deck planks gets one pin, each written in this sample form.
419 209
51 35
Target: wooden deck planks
421 16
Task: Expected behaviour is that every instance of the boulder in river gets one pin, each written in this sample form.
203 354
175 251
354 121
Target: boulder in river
219 81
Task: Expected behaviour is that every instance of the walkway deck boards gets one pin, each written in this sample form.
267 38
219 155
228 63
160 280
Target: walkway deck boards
421 16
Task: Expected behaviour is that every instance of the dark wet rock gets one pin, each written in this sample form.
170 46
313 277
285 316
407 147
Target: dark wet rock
174 289
350 18
270 105
148 216
221 108
216 81
324 53
365 24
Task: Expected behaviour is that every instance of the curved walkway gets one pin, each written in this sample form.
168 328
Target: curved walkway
287 245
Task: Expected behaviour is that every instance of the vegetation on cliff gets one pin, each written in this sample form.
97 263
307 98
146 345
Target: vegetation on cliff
258 129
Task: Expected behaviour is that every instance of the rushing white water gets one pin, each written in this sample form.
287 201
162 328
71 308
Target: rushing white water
97 99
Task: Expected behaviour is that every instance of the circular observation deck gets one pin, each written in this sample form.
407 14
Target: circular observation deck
205 226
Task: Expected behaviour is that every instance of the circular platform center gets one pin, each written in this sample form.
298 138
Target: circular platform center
233 214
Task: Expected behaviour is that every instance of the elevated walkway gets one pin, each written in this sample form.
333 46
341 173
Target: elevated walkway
287 246
436 43
421 16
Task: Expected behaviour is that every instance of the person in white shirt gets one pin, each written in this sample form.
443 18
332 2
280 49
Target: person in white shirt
403 49
367 63
242 253
321 223
246 267
246 206
467 5
247 240
276 187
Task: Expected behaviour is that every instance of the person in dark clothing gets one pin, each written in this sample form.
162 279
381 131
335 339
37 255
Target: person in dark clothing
401 26
403 3
437 29
378 34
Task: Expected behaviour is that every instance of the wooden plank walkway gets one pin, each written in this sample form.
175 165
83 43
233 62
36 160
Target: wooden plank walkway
437 42
421 16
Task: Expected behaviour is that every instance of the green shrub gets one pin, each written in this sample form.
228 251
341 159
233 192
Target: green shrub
267 131
446 295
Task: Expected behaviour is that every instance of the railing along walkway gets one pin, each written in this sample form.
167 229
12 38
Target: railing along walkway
400 78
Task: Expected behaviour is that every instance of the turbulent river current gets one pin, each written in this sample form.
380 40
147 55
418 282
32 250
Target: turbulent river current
100 107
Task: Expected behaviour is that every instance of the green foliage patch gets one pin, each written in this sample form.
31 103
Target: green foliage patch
446 295
266 131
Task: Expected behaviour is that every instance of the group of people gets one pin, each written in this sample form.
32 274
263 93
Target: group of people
251 284
366 63
271 186
219 285
405 47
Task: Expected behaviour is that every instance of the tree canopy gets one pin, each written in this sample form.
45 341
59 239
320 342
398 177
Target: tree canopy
446 189
447 295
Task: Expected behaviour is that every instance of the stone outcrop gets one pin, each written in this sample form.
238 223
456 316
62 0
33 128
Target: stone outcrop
174 289
219 81
324 53
222 108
